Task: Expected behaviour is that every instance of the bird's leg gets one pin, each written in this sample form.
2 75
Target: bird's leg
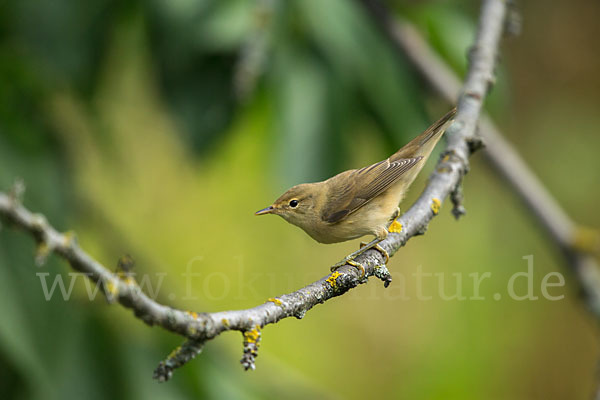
373 244
349 259
395 215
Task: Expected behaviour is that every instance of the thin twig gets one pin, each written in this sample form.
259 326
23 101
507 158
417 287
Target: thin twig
201 327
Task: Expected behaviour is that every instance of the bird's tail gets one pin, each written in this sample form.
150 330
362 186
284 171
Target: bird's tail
423 144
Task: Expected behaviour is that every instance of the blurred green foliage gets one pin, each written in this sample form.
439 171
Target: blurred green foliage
156 128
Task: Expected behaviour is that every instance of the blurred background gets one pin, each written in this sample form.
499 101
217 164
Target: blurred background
156 128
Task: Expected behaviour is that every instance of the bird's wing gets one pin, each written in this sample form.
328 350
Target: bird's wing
352 190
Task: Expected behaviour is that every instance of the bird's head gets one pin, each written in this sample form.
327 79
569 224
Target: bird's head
296 205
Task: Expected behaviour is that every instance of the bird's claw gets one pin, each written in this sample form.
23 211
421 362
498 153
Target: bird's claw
377 247
350 261
358 266
383 252
339 264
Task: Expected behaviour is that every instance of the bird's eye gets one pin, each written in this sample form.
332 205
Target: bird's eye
294 203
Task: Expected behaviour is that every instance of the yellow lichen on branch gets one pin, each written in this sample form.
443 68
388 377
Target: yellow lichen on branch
274 300
193 314
253 335
435 205
112 290
332 279
586 240
395 227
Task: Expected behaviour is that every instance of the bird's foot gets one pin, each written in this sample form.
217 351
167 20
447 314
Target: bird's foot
377 247
363 247
340 264
383 252
358 266
350 261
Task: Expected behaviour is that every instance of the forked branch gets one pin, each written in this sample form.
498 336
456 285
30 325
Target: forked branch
198 328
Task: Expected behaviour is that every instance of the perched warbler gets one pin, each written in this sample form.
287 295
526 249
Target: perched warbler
361 201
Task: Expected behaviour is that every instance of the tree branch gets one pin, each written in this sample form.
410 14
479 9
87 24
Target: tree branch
201 327
574 241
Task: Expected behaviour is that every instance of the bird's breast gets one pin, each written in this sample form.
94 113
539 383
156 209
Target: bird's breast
368 220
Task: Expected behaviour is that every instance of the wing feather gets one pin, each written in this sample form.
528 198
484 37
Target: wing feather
351 191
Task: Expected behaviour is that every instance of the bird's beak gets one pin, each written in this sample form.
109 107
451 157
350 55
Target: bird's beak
268 210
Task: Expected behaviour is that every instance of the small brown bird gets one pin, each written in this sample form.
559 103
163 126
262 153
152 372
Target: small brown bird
359 202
